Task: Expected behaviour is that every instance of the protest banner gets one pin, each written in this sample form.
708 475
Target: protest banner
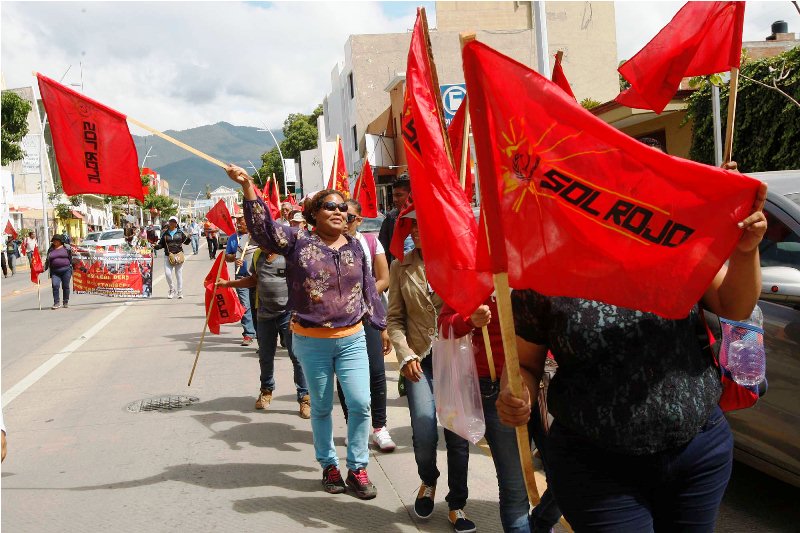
120 274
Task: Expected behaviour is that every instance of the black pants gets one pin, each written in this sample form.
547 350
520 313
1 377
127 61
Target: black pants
212 247
377 378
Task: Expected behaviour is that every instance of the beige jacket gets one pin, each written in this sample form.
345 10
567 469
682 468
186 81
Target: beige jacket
411 318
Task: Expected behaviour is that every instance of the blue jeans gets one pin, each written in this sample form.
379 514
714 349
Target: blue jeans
247 317
195 243
502 439
267 344
425 437
679 489
377 377
347 359
547 513
60 280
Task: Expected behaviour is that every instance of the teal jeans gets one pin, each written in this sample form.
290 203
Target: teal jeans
324 360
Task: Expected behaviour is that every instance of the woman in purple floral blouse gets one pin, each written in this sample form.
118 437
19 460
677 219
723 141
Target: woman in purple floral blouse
330 291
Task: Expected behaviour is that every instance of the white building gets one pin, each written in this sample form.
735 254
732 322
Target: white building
227 195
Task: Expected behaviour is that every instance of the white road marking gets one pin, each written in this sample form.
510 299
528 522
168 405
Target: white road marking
26 382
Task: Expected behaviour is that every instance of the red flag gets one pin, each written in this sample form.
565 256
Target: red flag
292 200
367 195
36 266
702 38
221 217
272 198
447 226
559 78
236 209
402 229
94 148
10 230
338 180
24 248
456 134
577 208
227 307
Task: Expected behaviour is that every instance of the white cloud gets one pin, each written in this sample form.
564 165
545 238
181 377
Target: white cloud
638 22
176 65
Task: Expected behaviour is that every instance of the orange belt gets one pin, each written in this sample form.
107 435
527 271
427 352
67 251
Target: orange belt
327 333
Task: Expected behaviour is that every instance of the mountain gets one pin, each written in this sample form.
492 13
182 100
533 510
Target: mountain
226 142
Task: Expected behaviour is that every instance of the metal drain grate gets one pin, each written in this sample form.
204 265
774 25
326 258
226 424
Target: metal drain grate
162 403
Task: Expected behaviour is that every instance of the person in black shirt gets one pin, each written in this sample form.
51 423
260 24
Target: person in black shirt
401 193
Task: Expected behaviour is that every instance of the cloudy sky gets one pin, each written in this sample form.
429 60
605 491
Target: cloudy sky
176 65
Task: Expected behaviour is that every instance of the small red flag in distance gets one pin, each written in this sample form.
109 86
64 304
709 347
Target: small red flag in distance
584 210
702 38
338 180
560 79
221 217
94 148
367 195
10 230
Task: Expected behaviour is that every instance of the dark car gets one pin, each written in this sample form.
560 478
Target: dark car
767 436
222 239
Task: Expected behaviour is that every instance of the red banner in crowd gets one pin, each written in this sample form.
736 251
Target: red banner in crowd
702 38
36 265
339 180
447 226
221 217
586 211
94 148
367 196
10 230
273 198
227 308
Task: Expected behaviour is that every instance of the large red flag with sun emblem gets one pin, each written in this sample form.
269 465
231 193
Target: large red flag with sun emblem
365 192
94 148
447 226
339 180
583 210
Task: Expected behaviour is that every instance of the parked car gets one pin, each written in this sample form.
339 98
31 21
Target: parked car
222 239
114 237
91 239
371 225
767 436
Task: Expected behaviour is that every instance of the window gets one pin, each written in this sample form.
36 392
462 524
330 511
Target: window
350 83
780 245
355 140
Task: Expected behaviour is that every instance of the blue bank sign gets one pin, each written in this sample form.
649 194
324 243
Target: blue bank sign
452 96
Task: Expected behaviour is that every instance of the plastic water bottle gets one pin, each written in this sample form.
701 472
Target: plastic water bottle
747 361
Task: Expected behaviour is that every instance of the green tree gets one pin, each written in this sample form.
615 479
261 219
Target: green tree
767 130
300 133
589 103
14 126
165 205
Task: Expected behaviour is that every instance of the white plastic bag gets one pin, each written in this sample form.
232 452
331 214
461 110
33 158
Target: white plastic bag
456 389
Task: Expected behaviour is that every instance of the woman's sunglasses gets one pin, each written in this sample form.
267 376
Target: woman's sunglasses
333 206
351 218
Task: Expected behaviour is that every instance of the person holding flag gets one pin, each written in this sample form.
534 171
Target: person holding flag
30 245
211 238
239 250
331 291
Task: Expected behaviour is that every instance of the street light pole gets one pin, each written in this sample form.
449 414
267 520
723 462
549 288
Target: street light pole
283 163
179 198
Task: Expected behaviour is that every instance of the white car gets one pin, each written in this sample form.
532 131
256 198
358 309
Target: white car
114 237
91 239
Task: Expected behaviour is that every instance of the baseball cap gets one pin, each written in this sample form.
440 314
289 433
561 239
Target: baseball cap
173 218
298 217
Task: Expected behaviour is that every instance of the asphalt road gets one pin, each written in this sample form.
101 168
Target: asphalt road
79 461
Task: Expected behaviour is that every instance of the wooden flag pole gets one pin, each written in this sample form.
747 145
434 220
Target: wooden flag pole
506 321
208 317
358 183
176 142
733 90
39 293
333 177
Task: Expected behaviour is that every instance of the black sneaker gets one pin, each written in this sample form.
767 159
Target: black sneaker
359 482
423 506
461 524
332 480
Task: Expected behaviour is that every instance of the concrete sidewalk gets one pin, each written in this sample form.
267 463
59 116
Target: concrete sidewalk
80 461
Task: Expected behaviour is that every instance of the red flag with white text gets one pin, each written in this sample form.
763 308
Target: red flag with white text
447 227
94 148
227 308
367 195
338 180
36 265
702 38
221 218
577 208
